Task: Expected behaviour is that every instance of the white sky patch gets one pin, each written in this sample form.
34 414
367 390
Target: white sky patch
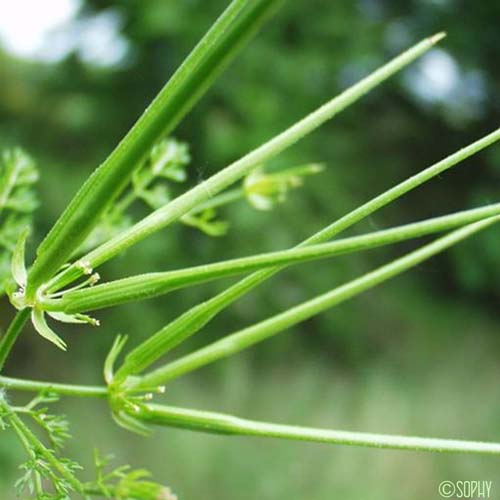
25 24
436 78
101 43
48 30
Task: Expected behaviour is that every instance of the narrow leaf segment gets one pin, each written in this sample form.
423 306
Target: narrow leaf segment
240 20
219 423
155 284
265 329
223 179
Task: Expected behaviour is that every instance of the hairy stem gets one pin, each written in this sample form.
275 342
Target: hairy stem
81 391
219 423
224 198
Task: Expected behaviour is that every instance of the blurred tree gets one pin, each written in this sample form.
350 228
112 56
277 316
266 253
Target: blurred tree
387 347
70 114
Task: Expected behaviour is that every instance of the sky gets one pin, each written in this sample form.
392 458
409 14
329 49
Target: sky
25 24
47 31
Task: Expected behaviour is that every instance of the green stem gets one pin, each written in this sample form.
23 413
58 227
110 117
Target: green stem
150 285
81 391
196 318
223 179
219 423
213 53
12 334
225 198
260 331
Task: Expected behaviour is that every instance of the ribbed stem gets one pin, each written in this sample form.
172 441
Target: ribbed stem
219 423
81 391
183 204
258 332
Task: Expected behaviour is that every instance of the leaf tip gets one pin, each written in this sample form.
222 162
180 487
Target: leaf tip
41 326
437 37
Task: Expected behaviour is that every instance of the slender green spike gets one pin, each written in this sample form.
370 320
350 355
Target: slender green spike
155 284
65 318
72 318
131 424
196 318
41 326
218 423
223 179
81 391
114 352
260 331
236 25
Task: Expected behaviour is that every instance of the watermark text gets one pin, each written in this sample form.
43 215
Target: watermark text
465 489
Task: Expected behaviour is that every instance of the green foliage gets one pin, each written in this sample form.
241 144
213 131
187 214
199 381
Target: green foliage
166 162
264 191
18 175
95 227
124 483
200 194
47 475
208 59
150 285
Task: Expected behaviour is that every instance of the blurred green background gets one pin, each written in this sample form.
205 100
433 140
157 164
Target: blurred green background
418 355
